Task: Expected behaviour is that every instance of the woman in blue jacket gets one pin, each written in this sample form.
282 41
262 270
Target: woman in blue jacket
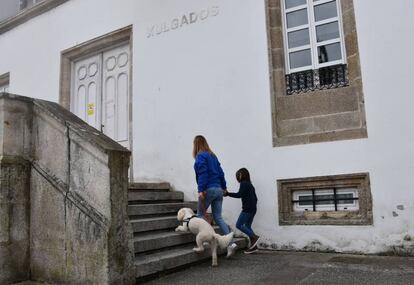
211 185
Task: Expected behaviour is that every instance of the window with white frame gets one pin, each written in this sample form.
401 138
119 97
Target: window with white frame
4 82
314 44
345 199
4 88
24 4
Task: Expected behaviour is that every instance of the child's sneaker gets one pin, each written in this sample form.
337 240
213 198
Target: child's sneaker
251 250
253 241
231 250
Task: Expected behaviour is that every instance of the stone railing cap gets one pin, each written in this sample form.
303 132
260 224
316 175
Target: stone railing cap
71 120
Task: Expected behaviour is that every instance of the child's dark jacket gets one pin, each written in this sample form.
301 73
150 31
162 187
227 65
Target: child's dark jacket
248 195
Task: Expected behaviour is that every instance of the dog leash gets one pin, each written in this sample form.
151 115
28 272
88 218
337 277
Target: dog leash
203 205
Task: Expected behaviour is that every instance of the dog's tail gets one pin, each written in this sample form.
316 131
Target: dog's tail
224 241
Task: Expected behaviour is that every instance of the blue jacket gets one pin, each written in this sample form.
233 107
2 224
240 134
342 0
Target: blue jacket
208 172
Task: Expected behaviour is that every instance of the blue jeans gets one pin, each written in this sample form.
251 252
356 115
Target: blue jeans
214 197
244 223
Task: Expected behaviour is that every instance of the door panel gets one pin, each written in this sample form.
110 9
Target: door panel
115 98
123 107
81 101
86 82
109 105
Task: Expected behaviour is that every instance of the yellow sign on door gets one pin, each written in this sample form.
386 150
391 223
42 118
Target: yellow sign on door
91 109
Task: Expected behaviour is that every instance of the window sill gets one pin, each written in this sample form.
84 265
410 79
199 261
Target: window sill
28 14
331 136
320 218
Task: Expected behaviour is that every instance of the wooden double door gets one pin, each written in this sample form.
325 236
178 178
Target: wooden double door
100 93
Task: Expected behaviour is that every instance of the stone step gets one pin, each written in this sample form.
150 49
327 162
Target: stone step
154 223
153 186
149 196
150 241
157 262
153 241
163 208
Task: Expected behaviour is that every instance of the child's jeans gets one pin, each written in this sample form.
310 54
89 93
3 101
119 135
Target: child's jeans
214 197
244 223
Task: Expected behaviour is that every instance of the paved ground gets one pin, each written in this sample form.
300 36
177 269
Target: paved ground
270 267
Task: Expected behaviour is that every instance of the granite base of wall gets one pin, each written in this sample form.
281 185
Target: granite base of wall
14 220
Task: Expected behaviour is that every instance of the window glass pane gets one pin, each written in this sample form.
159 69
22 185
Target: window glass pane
327 32
329 53
305 200
298 38
325 11
343 196
297 18
28 3
4 88
300 58
25 4
294 3
324 197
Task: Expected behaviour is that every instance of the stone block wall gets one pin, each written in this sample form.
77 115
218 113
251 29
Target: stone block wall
14 220
69 223
14 190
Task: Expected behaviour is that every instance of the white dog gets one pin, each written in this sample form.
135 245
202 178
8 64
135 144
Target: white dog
204 232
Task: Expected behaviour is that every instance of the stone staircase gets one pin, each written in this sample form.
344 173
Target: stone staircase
158 248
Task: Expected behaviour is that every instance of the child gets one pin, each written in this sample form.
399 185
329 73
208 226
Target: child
249 201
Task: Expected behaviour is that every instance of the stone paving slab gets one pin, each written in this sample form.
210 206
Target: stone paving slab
276 267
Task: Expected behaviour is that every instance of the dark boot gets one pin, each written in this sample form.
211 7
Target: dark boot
253 241
251 250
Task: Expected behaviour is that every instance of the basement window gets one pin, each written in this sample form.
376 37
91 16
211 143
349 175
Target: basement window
325 200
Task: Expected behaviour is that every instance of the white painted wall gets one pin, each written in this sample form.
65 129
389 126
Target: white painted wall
211 78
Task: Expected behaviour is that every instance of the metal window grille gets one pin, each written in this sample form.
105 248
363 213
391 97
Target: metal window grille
324 78
333 198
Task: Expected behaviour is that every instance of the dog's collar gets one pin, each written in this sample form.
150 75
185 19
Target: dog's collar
188 220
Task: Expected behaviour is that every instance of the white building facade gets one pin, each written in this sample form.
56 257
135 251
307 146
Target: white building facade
313 97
